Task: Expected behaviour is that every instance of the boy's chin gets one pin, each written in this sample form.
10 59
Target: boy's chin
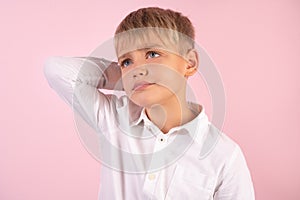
146 102
150 99
142 103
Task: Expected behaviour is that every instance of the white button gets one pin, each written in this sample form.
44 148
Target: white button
151 177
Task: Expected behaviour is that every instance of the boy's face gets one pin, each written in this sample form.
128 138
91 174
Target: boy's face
153 74
154 66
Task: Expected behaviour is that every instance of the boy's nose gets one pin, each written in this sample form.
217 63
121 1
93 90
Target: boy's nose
140 71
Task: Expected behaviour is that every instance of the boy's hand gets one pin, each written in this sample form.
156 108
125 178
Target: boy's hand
114 76
112 73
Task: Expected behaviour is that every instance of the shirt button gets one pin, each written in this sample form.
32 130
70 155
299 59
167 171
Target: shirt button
162 140
151 177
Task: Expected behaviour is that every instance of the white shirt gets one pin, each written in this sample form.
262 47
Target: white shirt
192 161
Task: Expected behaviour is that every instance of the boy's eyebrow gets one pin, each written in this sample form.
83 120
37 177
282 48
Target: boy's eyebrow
151 46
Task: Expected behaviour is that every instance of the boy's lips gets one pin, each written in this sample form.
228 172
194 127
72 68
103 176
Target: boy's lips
141 85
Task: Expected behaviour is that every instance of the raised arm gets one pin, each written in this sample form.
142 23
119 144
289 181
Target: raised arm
77 80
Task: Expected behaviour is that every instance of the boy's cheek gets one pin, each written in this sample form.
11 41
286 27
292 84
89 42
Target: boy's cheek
172 86
127 81
167 76
126 85
156 73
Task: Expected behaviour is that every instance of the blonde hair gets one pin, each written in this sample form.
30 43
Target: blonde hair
178 28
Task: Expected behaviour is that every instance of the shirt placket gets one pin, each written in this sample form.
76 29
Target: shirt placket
152 178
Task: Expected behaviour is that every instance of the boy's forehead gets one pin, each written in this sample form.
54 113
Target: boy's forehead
151 37
131 43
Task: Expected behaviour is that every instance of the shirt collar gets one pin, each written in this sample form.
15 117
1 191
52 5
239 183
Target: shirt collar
143 117
195 127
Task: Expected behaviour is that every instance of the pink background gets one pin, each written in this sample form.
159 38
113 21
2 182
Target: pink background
255 45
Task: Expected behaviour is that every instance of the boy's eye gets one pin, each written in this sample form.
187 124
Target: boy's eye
126 63
152 54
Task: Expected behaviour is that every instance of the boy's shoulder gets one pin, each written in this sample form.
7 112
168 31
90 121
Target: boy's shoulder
218 145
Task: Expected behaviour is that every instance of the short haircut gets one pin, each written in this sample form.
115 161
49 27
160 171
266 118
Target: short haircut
160 19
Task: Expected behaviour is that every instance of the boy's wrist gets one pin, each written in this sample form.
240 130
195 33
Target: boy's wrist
113 77
110 73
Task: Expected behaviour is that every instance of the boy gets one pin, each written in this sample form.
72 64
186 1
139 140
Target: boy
162 146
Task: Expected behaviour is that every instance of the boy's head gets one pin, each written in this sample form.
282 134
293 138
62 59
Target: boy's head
171 27
155 49
157 17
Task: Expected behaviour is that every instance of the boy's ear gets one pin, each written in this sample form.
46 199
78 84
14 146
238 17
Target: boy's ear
192 62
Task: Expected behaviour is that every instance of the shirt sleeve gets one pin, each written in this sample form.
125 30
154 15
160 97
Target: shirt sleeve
236 183
76 81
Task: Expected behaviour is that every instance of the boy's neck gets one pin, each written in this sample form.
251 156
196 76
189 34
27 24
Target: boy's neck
169 115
